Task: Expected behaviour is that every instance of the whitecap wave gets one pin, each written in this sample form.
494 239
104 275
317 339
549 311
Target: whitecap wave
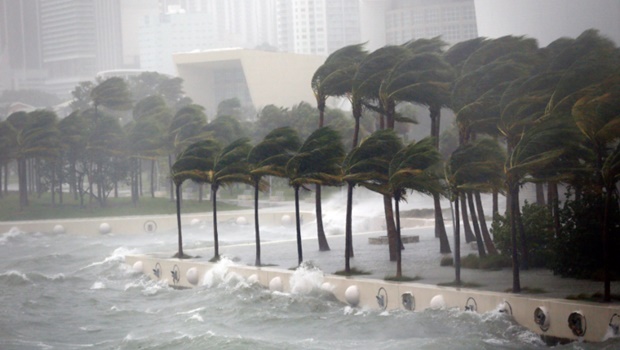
221 275
98 285
195 317
306 279
148 286
14 276
8 236
118 256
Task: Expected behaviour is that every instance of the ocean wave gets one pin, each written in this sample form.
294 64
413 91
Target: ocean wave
118 256
14 277
13 233
147 286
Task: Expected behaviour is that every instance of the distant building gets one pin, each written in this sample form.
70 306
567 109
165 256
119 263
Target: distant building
213 76
453 20
21 61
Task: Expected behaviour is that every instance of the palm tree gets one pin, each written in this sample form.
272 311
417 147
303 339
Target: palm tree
317 161
367 165
424 78
35 135
185 129
597 114
194 163
472 166
113 94
269 158
372 72
412 168
230 166
335 78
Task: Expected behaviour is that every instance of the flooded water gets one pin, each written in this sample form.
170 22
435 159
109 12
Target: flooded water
63 291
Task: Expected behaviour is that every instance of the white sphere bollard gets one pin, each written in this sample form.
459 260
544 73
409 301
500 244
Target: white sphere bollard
286 220
138 266
58 229
352 295
253 279
192 275
241 221
275 285
438 302
195 222
105 228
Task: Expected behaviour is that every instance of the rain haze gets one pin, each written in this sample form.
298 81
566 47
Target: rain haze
263 174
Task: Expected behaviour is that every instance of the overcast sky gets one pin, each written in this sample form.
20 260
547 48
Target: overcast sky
547 20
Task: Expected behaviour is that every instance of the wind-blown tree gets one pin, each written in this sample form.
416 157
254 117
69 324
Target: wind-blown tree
269 158
538 147
425 79
153 83
472 166
335 78
5 156
35 135
372 72
317 161
194 163
149 136
112 94
230 166
184 129
412 168
597 115
367 165
225 129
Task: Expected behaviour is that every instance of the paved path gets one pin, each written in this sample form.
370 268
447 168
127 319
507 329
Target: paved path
420 260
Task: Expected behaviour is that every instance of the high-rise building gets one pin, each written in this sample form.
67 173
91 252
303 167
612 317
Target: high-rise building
317 26
78 39
453 20
21 62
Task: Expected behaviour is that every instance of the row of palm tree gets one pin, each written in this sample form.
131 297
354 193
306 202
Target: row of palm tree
320 159
508 89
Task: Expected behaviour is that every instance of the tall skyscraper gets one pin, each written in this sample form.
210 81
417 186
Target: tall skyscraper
21 62
453 20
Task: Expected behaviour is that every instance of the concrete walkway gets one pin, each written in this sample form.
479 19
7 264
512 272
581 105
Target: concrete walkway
421 260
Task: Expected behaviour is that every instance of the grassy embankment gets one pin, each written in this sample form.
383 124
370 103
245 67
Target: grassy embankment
42 208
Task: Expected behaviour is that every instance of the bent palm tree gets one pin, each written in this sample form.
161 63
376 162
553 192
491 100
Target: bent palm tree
269 158
412 168
318 161
229 166
473 166
194 163
367 165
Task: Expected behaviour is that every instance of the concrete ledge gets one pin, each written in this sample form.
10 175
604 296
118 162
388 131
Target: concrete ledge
595 318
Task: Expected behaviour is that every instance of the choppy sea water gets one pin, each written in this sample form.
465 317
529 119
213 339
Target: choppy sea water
60 291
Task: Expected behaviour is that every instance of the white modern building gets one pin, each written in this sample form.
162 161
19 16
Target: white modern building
256 78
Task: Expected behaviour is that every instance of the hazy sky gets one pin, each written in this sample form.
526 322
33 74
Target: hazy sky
547 20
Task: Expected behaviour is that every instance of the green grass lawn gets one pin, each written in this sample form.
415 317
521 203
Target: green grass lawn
42 208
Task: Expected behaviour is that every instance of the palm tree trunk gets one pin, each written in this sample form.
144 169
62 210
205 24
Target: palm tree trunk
170 183
607 245
61 180
495 211
457 242
300 256
323 245
216 243
179 227
22 183
1 190
140 177
469 234
153 178
53 184
391 228
488 241
554 206
399 255
440 227
524 243
256 224
514 208
540 194
474 220
348 245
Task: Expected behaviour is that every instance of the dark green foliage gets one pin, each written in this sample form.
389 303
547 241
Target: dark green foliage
579 247
538 226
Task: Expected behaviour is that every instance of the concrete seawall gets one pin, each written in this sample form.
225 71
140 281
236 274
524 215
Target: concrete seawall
554 318
563 319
